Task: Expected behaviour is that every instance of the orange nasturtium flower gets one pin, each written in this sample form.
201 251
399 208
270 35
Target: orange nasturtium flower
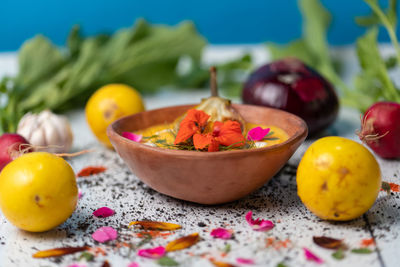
194 123
228 133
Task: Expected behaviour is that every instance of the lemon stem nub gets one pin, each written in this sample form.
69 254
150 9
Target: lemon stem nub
213 81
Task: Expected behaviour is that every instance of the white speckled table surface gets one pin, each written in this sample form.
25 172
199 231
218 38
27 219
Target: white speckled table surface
132 200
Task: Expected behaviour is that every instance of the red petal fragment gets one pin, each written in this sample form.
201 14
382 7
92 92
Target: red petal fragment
103 212
91 170
367 242
104 234
152 253
245 261
132 136
328 242
257 134
221 233
259 224
311 256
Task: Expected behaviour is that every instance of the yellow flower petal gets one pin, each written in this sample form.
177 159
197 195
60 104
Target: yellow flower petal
56 252
153 225
183 242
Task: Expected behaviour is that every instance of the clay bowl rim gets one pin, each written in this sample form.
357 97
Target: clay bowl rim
301 132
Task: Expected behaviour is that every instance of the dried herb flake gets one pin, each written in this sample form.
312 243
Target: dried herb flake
167 261
362 251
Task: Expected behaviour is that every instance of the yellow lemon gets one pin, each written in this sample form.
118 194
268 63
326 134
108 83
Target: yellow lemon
108 104
38 191
338 179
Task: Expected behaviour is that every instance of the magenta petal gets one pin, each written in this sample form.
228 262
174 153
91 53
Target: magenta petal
133 264
221 233
79 194
103 212
258 224
104 234
257 134
77 265
152 253
132 136
244 261
311 256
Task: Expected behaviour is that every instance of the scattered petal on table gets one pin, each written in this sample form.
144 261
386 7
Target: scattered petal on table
79 194
367 242
259 224
328 242
311 256
104 234
152 253
91 170
222 264
133 264
244 261
103 212
221 233
153 225
183 242
132 136
77 265
56 252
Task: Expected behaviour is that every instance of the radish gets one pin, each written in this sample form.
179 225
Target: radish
380 129
11 146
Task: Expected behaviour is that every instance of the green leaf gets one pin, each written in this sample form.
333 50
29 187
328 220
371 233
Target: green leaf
227 248
86 256
317 21
374 66
361 251
368 21
74 41
167 261
38 59
298 49
281 264
338 254
391 62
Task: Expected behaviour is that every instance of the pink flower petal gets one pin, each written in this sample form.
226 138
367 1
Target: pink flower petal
132 136
221 233
258 224
103 212
311 256
77 265
104 234
79 194
244 261
257 134
152 253
133 264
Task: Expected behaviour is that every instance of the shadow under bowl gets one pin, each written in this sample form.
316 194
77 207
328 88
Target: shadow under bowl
206 177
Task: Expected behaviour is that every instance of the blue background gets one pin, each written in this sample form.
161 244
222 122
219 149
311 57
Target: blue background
220 21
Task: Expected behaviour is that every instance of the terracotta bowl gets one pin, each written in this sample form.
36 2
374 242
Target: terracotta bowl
202 177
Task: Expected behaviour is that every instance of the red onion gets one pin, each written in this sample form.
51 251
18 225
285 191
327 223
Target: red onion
290 85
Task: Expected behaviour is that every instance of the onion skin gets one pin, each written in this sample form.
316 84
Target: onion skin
10 145
380 129
290 85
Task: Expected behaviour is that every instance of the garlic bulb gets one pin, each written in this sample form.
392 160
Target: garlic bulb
47 131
